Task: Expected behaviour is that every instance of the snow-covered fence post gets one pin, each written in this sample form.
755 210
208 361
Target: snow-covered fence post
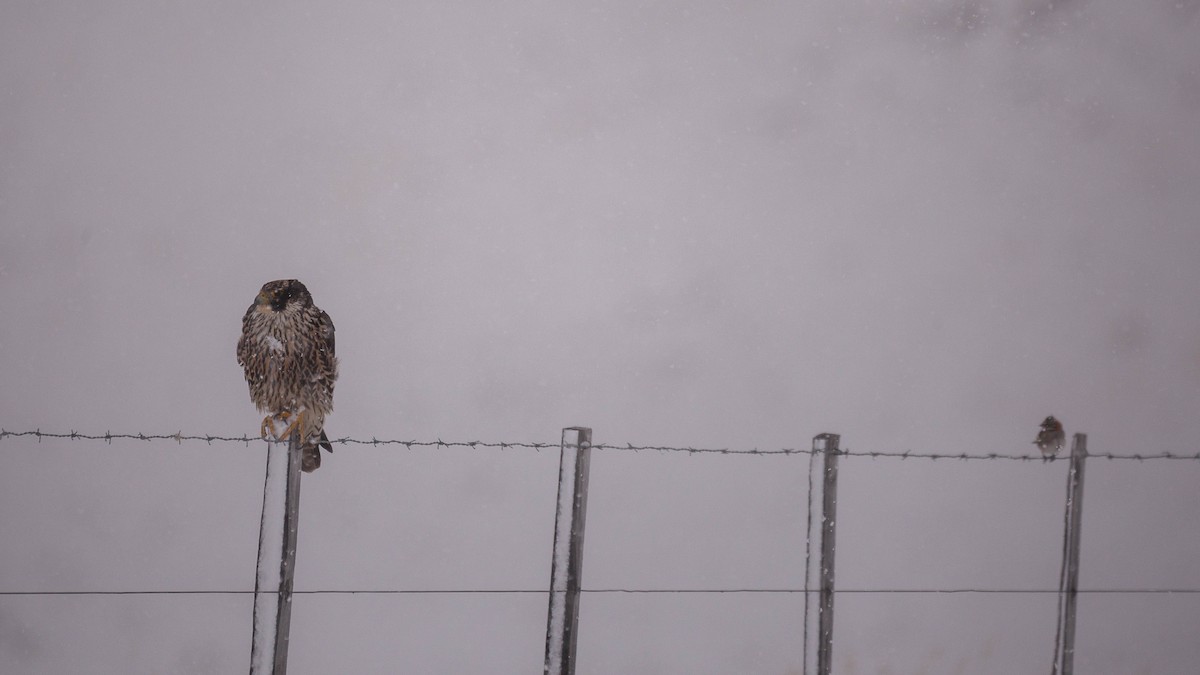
818 606
566 566
276 557
1074 518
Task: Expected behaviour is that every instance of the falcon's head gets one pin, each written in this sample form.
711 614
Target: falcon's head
278 296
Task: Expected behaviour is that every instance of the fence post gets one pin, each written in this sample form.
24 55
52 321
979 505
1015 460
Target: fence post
818 606
566 566
1074 523
276 558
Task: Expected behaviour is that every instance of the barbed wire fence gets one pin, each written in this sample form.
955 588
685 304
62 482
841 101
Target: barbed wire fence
818 590
180 437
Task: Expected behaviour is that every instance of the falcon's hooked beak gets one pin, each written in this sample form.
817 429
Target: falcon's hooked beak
262 302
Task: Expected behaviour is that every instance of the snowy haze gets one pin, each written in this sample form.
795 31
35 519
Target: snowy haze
922 225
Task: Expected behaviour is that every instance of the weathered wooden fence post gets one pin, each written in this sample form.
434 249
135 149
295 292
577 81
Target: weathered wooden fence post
1074 525
276 558
566 566
818 606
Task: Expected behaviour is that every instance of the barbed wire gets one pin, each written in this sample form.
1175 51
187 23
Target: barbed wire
636 591
180 437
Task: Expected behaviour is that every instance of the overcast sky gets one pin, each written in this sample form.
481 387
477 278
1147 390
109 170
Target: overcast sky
922 225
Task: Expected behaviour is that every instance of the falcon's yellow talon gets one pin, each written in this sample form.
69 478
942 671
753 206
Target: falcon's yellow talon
297 423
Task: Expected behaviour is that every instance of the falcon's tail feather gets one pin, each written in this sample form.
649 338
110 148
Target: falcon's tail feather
310 454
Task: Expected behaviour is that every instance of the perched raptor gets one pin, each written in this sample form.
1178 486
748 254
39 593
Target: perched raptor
286 349
1050 438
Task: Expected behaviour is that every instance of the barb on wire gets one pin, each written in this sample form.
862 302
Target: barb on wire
179 437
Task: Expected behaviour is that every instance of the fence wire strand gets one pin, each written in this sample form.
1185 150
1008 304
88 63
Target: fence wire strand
633 591
180 437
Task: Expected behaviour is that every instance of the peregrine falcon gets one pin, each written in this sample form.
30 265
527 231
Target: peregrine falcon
1050 438
286 349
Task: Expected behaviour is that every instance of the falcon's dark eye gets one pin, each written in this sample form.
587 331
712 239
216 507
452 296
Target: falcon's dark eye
280 299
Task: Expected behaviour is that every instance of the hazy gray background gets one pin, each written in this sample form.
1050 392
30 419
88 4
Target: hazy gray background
921 224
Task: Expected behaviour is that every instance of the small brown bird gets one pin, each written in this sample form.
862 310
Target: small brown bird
286 350
1051 437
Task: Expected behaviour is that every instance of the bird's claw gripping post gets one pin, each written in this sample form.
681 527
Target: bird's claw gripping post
270 425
